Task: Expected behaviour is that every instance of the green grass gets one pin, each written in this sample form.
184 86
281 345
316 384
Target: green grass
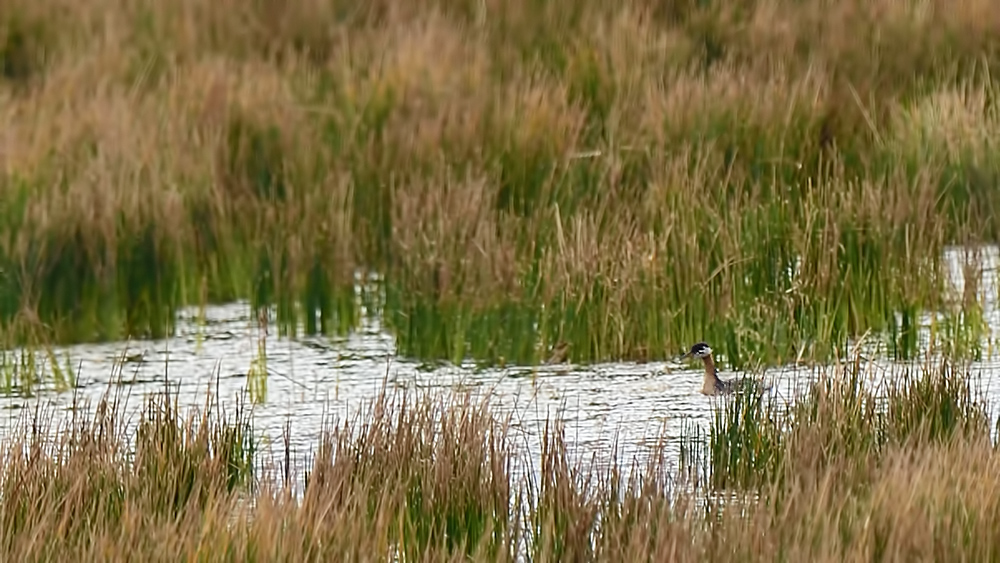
85 477
628 179
760 443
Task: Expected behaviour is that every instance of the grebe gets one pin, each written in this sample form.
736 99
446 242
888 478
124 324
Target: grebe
559 353
712 385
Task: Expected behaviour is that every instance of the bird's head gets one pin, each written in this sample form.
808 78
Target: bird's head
699 350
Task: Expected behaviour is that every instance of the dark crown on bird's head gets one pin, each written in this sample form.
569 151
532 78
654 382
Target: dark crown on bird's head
700 350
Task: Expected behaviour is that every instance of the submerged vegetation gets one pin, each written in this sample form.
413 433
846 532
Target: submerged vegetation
774 175
846 473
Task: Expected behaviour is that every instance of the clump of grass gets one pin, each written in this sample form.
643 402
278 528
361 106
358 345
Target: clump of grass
936 405
745 442
843 421
26 369
86 483
425 474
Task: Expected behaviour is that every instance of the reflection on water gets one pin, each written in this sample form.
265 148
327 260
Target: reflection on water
315 381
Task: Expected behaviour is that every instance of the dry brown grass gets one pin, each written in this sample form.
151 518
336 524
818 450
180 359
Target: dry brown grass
445 477
245 147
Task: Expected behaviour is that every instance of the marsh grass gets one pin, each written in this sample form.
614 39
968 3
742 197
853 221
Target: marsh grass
745 442
850 417
25 369
444 477
629 179
81 483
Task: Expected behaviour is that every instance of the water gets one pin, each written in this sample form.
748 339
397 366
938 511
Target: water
314 382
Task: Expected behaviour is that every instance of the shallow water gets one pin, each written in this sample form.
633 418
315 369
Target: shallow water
313 382
317 381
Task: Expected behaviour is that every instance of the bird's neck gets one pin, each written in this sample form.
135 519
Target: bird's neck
710 375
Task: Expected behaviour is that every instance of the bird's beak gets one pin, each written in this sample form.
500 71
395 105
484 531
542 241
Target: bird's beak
684 356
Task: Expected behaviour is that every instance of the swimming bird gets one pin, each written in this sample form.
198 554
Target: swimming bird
134 358
712 385
559 353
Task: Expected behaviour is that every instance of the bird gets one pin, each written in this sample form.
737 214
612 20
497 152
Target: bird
559 353
712 385
134 358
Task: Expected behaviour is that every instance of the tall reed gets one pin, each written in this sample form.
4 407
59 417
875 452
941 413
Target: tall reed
849 418
626 178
